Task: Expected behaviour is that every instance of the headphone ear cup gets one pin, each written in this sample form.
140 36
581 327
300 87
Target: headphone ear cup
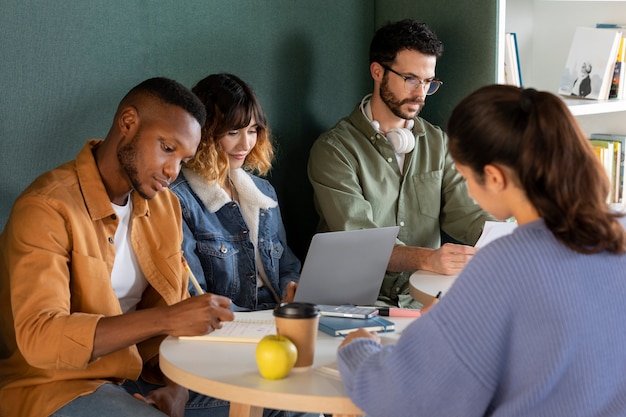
402 140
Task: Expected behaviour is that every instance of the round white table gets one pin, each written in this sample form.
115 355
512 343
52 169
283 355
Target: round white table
228 371
424 285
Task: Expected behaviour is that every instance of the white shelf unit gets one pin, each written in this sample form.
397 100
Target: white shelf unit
545 29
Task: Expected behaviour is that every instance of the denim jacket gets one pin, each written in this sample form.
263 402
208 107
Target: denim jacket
218 240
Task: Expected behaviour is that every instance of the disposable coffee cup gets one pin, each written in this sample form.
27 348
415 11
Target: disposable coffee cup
298 322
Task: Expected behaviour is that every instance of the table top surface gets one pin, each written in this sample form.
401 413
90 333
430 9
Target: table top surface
424 285
228 370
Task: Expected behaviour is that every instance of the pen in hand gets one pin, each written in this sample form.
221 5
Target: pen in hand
192 277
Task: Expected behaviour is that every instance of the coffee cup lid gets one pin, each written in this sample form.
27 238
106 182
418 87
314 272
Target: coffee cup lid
296 310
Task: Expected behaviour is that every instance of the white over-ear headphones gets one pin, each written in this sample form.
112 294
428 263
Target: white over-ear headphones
401 139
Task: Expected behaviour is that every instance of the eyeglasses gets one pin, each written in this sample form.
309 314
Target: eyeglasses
412 83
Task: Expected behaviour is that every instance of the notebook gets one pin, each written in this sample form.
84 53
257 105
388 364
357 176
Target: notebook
341 326
346 267
247 327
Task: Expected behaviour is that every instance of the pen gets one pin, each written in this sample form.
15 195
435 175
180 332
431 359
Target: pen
193 279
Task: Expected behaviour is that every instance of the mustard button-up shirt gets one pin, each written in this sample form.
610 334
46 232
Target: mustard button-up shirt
55 284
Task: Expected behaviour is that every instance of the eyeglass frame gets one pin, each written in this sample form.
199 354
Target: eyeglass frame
419 83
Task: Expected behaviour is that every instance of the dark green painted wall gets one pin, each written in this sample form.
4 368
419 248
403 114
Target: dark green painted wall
66 64
468 30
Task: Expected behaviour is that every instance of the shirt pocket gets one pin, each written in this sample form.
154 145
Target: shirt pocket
272 250
220 265
91 286
427 187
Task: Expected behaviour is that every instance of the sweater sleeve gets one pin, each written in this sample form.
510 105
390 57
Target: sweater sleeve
420 376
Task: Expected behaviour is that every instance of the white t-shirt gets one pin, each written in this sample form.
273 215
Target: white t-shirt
127 279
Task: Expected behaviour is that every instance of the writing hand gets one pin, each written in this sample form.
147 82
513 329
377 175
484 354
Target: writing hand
360 333
198 315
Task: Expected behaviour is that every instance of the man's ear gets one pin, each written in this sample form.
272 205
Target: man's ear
377 71
128 119
495 177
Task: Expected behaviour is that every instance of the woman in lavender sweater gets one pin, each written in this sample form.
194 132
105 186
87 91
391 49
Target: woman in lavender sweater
535 324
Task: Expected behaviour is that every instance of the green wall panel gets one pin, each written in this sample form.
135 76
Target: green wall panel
468 30
66 64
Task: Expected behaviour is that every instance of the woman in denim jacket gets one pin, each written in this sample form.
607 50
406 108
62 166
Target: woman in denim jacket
234 238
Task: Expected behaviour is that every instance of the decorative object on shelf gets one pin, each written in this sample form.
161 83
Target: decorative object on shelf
590 64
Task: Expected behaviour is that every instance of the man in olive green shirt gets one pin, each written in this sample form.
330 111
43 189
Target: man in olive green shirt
385 166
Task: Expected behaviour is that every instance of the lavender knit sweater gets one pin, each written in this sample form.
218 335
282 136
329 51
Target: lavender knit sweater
530 328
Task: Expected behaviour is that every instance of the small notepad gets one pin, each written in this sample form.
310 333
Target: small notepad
246 328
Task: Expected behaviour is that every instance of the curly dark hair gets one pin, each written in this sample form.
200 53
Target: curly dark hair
405 34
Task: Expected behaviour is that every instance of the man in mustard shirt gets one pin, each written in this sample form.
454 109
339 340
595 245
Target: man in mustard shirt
385 166
91 273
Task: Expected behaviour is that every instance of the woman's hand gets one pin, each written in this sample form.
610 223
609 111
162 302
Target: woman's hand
290 292
360 333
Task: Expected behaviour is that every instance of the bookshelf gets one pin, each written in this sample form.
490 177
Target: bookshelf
545 29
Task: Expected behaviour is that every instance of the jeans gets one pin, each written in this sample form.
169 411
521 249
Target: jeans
111 400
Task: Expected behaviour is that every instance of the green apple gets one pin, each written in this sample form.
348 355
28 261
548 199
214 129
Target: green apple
275 356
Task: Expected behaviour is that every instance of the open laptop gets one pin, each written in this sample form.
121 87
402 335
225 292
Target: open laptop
346 267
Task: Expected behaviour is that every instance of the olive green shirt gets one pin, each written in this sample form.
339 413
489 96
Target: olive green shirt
358 184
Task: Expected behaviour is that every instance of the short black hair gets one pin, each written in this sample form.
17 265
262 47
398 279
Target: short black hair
404 34
171 92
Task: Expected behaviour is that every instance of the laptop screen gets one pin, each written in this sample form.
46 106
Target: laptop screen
346 267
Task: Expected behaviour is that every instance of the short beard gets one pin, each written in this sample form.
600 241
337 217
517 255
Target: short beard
394 104
127 157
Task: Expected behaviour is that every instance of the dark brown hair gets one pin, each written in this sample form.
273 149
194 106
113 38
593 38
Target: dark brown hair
404 34
535 135
230 105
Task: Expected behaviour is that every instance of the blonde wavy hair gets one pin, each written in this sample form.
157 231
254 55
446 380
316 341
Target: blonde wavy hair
230 105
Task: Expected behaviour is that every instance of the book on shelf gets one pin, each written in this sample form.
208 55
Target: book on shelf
512 68
590 63
619 151
248 327
619 72
605 152
617 84
341 326
620 26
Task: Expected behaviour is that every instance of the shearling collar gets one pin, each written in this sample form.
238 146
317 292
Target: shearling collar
214 197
